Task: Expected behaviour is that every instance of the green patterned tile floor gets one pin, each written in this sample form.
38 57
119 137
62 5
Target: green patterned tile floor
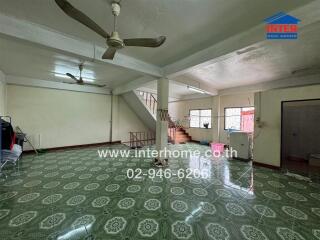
76 195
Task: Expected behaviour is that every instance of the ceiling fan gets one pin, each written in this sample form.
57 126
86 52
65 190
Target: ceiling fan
80 80
114 41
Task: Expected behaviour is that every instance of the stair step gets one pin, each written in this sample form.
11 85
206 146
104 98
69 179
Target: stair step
181 135
180 131
182 139
179 142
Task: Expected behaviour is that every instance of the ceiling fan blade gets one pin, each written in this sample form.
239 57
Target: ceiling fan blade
74 13
71 76
145 42
94 85
109 54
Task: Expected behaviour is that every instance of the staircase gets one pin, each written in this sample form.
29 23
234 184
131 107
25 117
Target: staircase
180 136
176 132
145 110
145 106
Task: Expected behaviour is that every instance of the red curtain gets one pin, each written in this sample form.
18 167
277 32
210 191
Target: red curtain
247 121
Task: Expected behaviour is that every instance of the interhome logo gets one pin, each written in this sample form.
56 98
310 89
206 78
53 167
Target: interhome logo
282 26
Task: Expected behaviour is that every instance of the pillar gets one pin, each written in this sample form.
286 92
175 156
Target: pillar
114 119
162 124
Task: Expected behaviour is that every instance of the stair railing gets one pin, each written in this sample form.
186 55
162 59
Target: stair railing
141 139
173 126
151 102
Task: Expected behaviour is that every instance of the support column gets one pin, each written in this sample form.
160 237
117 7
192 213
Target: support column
114 118
162 121
217 119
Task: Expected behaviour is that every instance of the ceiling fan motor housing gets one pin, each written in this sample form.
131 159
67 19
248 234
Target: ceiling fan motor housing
115 41
116 9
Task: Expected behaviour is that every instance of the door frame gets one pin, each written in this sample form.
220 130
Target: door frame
282 123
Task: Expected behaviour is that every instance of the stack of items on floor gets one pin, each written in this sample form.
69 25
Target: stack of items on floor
314 160
10 151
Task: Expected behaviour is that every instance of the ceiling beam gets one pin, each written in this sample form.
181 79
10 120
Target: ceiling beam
37 34
137 83
30 82
175 97
132 85
239 43
298 81
209 90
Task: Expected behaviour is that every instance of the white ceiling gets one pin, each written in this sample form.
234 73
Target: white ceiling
190 25
273 60
27 60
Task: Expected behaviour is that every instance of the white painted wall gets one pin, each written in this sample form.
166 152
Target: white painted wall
140 108
56 118
267 141
180 109
227 101
3 95
125 121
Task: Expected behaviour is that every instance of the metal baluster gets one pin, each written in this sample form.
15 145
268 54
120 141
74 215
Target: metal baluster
154 103
150 97
135 140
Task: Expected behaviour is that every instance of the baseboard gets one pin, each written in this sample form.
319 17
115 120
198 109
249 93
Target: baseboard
296 159
242 159
265 165
76 146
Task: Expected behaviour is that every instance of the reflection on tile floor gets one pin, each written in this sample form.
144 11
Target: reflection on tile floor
73 194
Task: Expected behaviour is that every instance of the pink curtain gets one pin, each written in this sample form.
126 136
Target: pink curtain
247 121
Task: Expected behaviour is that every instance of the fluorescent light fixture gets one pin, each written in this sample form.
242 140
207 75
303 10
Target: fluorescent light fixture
60 75
198 90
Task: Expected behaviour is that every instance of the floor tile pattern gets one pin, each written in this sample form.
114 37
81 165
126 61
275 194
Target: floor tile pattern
66 195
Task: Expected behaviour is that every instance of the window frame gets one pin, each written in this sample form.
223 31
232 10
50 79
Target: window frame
200 109
224 127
